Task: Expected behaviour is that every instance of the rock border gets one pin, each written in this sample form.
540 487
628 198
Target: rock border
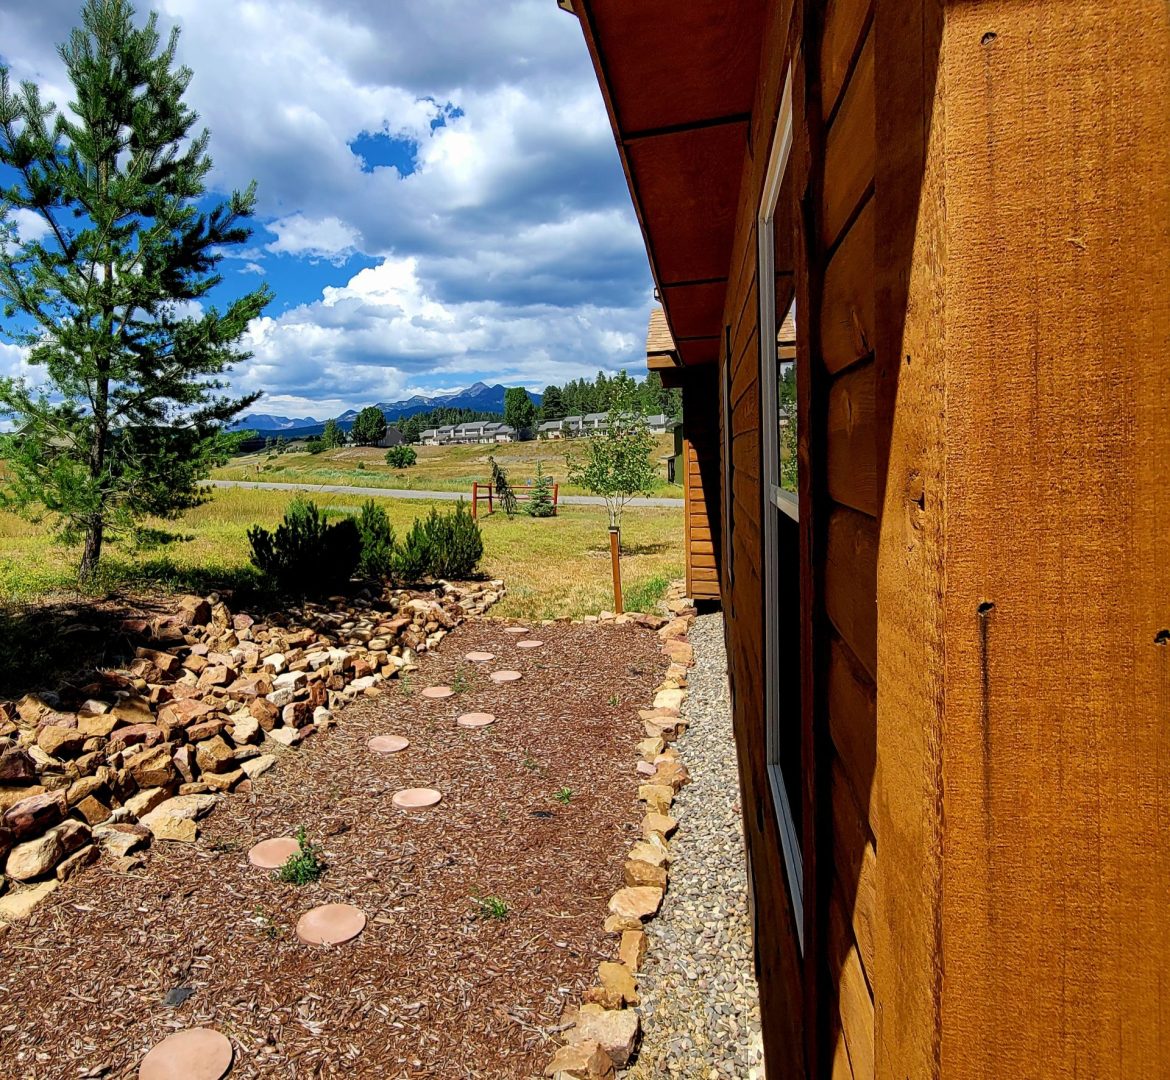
602 1034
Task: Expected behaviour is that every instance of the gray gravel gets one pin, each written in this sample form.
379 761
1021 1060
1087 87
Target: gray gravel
700 1007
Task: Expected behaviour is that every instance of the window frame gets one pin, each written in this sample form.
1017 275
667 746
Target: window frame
777 499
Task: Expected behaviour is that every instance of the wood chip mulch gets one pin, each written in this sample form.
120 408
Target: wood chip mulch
432 987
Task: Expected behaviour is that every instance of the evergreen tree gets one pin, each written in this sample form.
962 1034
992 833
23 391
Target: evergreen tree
130 415
540 502
519 412
333 437
370 426
552 404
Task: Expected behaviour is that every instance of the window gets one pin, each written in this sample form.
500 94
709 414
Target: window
776 230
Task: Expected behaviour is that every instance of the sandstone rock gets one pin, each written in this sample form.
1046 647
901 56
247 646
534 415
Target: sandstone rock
33 815
206 729
651 748
190 807
658 823
258 765
34 711
265 713
298 714
143 735
645 768
285 736
98 726
153 767
632 952
196 663
143 802
617 924
615 1030
282 696
618 980
181 830
194 610
657 796
245 728
16 766
669 699
647 852
183 712
214 756
86 786
19 905
224 781
216 676
636 902
635 873
673 774
322 717
293 680
674 630
166 662
276 661
184 762
9 797
122 839
92 809
60 741
679 652
133 710
584 1060
35 858
82 857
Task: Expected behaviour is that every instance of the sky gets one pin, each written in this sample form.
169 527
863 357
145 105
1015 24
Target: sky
440 200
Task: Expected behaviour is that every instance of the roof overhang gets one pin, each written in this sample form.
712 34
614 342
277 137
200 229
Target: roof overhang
679 82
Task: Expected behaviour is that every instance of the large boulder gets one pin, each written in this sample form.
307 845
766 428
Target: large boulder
153 767
35 858
35 814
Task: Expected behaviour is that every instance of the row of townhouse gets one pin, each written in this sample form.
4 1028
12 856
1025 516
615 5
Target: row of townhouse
590 423
478 431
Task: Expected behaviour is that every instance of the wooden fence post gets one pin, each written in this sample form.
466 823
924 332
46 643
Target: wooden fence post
474 500
618 605
556 490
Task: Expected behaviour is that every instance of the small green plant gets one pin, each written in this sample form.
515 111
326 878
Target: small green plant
456 544
412 559
646 595
306 554
460 683
531 764
407 685
490 907
224 847
614 700
305 866
564 796
503 489
401 456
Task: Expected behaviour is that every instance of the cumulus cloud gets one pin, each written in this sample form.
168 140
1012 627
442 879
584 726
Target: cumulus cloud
506 247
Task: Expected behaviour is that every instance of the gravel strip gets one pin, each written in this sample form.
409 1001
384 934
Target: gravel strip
700 1007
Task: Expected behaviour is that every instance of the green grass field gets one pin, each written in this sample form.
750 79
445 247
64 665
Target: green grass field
552 566
439 468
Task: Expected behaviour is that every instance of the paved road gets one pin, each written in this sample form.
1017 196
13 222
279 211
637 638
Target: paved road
402 493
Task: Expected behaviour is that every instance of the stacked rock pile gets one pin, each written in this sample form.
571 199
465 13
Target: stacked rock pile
125 756
601 1036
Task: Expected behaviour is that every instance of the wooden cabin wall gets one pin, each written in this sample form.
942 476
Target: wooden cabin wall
701 486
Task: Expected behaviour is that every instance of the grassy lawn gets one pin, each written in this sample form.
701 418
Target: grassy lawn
552 566
439 468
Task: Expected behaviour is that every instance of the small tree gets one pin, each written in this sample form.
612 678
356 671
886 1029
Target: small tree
519 412
370 426
540 502
333 437
616 464
502 488
130 417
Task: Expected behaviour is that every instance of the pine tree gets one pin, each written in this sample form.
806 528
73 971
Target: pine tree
370 426
552 405
130 414
540 502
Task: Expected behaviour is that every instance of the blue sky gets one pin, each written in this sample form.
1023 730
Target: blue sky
440 198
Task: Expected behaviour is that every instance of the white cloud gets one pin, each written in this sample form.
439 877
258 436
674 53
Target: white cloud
325 238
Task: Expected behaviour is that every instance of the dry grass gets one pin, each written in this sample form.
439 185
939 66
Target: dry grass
439 468
552 566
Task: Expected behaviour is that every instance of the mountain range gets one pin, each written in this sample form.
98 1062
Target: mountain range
478 396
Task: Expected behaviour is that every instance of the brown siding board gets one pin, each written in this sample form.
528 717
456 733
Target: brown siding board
853 725
844 22
847 308
851 149
852 440
850 582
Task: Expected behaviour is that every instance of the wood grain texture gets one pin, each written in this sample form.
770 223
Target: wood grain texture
853 725
843 23
852 440
850 149
847 311
850 582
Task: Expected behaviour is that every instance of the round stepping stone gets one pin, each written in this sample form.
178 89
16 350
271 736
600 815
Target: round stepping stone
416 798
331 924
437 692
388 744
515 629
505 676
194 1054
273 854
529 643
475 719
480 657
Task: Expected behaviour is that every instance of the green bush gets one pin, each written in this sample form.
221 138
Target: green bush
315 445
456 542
378 542
306 554
412 558
401 456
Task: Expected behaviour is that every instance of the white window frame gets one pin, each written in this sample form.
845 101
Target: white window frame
783 501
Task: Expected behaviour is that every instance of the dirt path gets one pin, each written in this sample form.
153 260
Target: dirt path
431 988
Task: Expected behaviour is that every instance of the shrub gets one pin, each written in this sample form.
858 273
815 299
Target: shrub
412 558
377 536
540 502
401 456
315 445
456 542
306 554
305 866
503 489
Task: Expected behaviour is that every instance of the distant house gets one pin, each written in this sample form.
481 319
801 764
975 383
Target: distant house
593 421
551 429
659 424
571 425
430 437
393 437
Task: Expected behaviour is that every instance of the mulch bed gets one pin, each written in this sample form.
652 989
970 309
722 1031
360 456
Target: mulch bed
432 987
